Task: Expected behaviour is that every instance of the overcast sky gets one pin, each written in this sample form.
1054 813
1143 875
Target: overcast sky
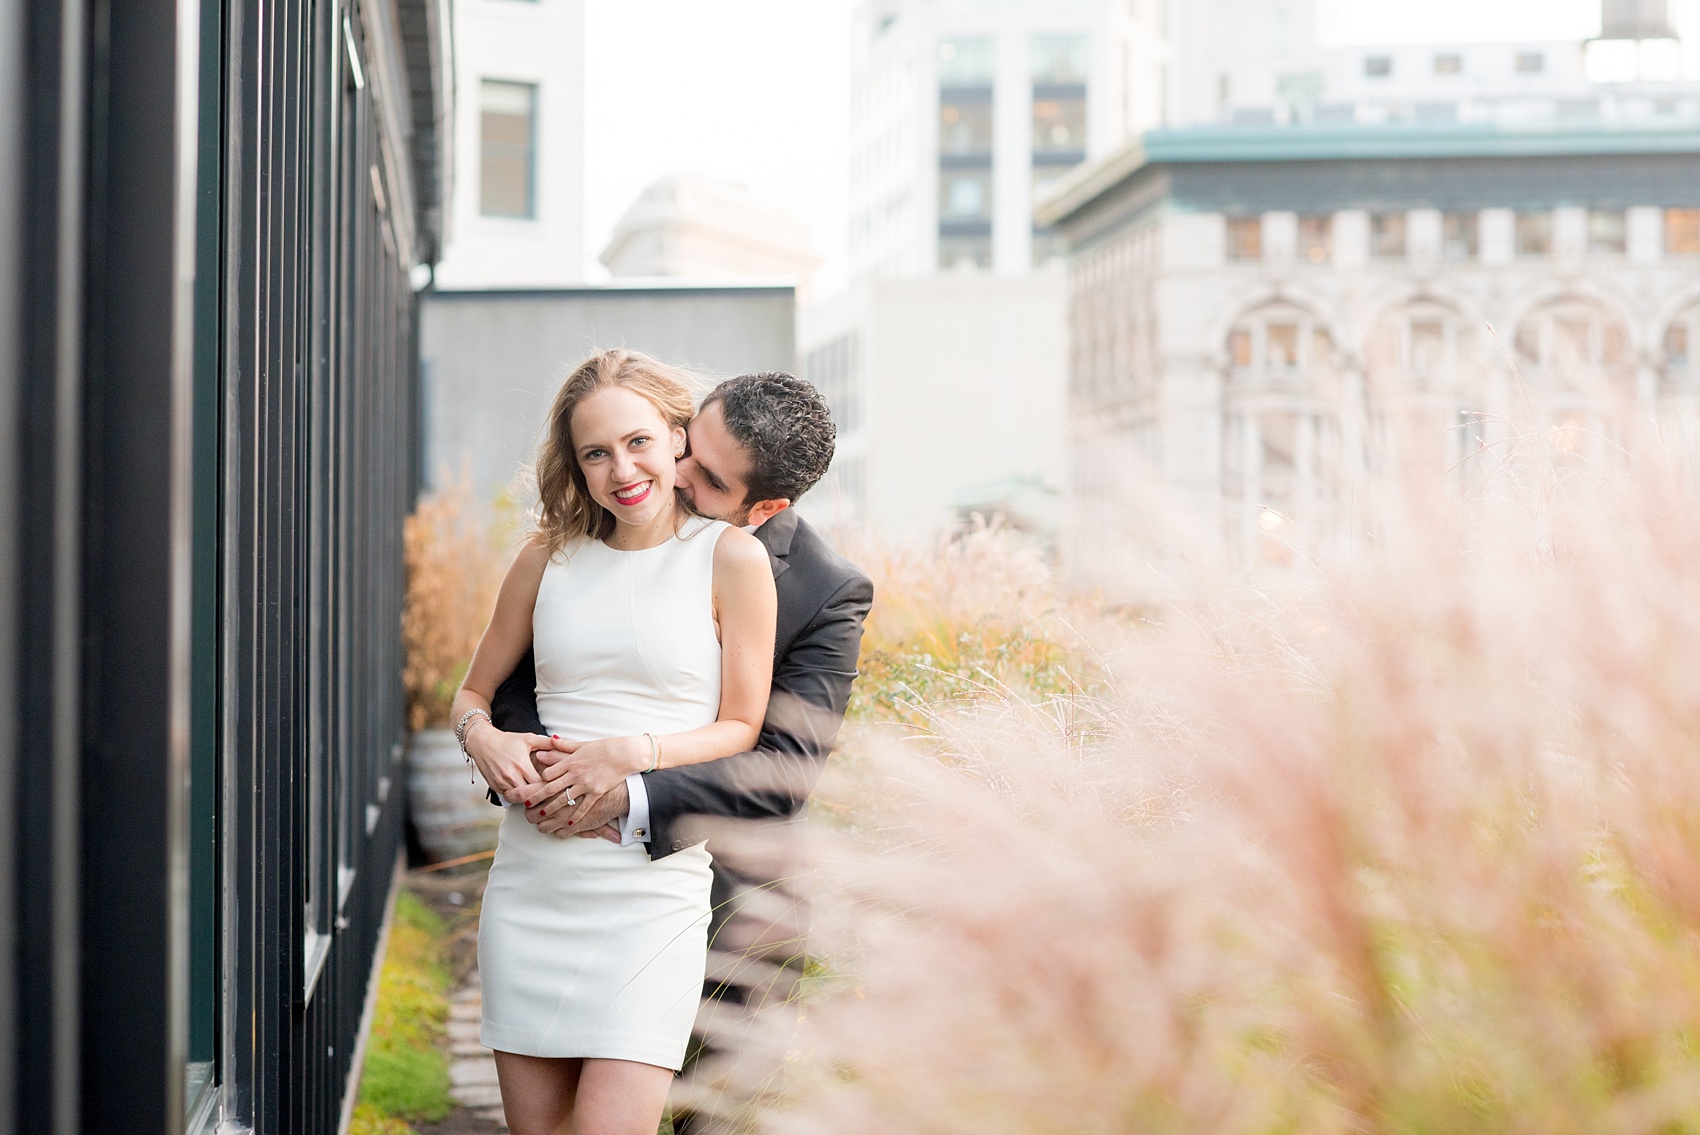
758 91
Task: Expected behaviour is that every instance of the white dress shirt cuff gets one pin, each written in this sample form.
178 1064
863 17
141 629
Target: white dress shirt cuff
635 827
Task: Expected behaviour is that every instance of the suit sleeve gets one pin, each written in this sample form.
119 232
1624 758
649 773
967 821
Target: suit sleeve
811 689
514 708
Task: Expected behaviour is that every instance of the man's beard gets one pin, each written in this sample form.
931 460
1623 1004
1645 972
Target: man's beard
738 518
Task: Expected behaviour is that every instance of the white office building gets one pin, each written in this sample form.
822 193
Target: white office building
516 218
962 114
945 359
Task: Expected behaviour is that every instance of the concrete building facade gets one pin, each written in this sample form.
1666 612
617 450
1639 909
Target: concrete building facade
948 397
491 360
1258 316
516 216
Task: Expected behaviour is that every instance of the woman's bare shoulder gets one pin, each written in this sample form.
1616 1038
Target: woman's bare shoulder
531 558
738 551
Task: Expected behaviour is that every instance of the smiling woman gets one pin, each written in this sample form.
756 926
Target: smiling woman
653 633
656 408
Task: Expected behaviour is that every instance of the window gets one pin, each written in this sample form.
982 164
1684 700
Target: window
835 370
1682 232
1239 348
1059 110
1060 60
1680 374
1316 239
1304 89
1048 245
965 252
1534 234
1606 232
1245 238
966 69
1378 66
1387 236
1530 62
965 126
1045 178
1458 236
1579 374
1428 346
965 195
1280 432
1676 347
1449 64
1422 369
1571 335
1059 127
969 61
507 149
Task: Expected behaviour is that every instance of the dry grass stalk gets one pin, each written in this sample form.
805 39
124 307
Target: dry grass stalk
454 556
978 607
1407 847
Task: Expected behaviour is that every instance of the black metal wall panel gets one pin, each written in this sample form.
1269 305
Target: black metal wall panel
208 419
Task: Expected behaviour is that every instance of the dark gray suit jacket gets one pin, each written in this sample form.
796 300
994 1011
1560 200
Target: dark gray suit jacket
823 600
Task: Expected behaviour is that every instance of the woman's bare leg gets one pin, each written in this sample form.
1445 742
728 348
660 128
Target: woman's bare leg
618 1097
537 1093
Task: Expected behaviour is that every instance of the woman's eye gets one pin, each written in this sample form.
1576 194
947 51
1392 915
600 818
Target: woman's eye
639 441
593 454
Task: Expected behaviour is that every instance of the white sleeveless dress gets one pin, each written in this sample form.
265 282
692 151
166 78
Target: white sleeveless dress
587 948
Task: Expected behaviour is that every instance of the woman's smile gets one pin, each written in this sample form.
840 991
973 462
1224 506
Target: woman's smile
634 494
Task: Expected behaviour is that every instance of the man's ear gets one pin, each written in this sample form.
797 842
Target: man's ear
763 511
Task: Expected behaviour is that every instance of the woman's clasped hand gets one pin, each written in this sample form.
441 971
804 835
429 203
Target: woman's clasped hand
575 774
506 761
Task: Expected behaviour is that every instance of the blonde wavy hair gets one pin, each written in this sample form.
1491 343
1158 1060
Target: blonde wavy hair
565 509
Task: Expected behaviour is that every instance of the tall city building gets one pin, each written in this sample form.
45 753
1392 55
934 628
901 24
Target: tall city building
516 214
961 115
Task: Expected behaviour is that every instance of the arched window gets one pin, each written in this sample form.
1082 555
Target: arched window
1679 369
1427 389
1281 432
1679 382
1578 375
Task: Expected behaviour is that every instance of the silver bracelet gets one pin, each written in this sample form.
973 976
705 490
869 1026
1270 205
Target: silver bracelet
460 726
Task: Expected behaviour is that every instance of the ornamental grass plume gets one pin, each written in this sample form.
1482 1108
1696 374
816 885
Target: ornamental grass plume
1411 844
454 558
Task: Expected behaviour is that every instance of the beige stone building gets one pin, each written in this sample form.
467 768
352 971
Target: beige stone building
1262 319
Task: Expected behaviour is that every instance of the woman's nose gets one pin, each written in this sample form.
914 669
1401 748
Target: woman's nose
624 468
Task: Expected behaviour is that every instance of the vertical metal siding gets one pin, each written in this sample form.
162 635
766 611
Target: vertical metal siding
283 443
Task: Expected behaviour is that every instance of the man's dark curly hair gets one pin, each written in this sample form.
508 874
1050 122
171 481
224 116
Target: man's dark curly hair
783 423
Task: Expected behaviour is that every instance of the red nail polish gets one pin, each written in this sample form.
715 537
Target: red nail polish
528 803
569 823
556 736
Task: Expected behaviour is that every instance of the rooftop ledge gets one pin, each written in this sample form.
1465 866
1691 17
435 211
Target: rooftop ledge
1313 143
